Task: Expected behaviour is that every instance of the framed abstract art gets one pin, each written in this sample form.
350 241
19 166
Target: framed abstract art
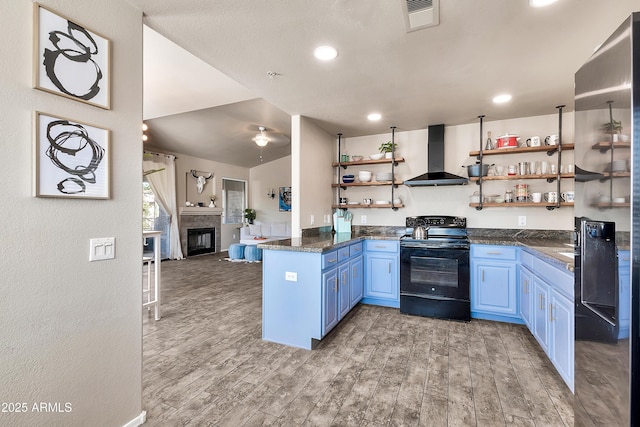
71 158
70 60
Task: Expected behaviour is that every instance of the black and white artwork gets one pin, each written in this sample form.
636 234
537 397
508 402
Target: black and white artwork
70 60
71 159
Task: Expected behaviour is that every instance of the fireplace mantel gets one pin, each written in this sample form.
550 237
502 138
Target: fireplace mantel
200 211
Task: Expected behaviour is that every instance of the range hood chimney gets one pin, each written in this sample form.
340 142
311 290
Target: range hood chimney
435 168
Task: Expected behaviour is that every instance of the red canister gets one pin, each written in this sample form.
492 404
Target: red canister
507 141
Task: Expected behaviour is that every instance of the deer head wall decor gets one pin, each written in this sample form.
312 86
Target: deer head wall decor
201 180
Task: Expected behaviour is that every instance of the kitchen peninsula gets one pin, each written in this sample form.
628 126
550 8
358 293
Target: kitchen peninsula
311 283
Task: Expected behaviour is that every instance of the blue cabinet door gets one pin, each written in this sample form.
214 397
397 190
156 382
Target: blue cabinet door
382 277
343 290
624 293
561 336
526 296
493 287
541 313
329 300
356 281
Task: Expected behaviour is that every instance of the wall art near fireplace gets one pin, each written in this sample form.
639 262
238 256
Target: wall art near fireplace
285 199
69 59
71 158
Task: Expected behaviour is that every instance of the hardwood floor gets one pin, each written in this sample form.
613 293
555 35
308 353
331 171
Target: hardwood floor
205 364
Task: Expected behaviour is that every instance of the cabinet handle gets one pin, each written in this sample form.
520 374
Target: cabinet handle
335 284
344 277
483 275
541 302
355 272
551 318
389 268
494 253
332 260
526 286
380 246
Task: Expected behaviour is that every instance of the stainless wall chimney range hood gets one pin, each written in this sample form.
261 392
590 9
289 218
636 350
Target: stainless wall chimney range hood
436 174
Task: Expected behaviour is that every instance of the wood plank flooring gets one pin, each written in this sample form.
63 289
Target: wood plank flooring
205 364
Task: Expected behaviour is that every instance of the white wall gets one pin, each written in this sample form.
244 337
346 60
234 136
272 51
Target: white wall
186 187
454 200
71 329
311 177
265 177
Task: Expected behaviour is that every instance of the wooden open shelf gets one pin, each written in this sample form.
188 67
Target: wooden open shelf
366 184
518 177
540 149
606 145
519 205
373 205
612 205
616 174
368 162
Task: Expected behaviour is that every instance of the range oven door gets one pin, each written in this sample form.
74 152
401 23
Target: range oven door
434 282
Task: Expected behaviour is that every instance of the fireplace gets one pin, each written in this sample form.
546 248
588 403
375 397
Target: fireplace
206 220
201 241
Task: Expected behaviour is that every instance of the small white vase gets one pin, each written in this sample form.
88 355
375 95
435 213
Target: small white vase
212 205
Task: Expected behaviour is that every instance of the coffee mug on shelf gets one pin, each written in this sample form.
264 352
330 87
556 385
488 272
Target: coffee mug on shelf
534 141
551 140
551 197
536 197
343 200
366 201
511 170
568 196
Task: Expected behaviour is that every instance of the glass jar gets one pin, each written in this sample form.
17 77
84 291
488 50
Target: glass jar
508 196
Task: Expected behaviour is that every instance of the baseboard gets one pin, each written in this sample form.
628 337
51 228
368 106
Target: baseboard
137 421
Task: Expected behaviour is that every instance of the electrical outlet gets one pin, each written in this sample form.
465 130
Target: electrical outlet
363 219
291 276
234 235
313 219
522 220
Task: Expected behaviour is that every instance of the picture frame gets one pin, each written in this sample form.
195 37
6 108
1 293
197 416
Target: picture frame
71 158
284 199
70 60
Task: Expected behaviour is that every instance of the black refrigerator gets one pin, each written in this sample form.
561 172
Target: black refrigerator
607 232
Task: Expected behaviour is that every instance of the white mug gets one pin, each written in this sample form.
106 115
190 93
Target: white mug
534 141
551 140
568 196
536 197
551 197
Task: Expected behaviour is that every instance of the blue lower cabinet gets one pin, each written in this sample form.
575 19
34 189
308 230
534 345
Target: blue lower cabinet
541 297
494 294
526 296
382 274
356 280
561 336
344 298
329 300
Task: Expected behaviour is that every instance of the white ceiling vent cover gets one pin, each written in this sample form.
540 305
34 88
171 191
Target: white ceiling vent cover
419 14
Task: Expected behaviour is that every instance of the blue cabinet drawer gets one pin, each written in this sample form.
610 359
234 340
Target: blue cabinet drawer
355 249
330 259
343 254
382 246
494 252
526 259
560 280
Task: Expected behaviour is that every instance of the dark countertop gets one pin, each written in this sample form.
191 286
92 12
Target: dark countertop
325 242
548 249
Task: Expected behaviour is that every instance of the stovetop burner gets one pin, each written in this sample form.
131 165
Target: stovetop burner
441 231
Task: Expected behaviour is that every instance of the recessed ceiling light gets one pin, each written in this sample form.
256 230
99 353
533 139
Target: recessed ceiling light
540 3
374 116
325 53
501 99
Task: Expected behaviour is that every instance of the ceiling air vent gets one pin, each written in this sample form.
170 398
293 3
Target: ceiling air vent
419 14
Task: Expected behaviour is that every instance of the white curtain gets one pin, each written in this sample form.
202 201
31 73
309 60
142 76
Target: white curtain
163 184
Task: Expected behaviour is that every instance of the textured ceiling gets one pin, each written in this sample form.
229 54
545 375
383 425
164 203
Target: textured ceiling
444 74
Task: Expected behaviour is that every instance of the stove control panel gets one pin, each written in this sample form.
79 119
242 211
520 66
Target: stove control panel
436 221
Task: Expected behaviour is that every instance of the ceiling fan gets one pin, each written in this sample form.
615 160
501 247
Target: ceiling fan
261 138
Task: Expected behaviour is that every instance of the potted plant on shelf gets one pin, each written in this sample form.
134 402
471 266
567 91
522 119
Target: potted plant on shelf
388 148
250 215
614 126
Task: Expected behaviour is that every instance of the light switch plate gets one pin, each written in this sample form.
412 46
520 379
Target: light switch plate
291 276
102 248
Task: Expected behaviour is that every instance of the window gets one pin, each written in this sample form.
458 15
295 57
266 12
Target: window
234 200
154 218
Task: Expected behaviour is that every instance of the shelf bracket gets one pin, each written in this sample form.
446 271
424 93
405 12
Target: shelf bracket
551 179
550 208
343 187
479 207
552 152
343 166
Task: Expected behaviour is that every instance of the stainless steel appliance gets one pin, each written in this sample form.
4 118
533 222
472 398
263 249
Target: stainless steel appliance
607 211
434 268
